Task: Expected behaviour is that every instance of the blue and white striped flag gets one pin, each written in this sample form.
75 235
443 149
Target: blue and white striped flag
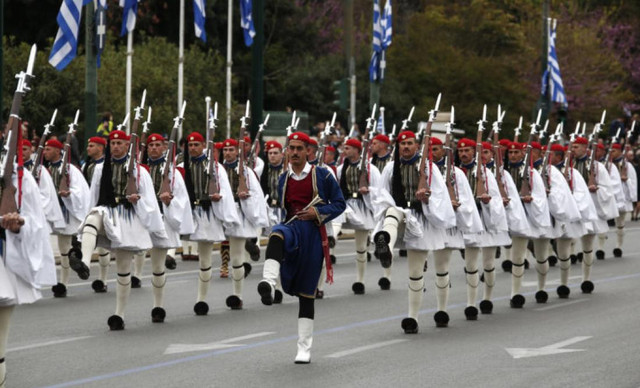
380 126
382 33
198 19
246 22
101 29
129 14
551 76
66 42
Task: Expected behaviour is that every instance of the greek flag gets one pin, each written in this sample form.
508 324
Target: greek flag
101 29
129 13
382 32
246 22
551 76
66 42
198 19
380 126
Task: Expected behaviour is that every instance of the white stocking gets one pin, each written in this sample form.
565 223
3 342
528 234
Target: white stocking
587 255
416 261
518 254
488 263
563 246
159 279
64 244
361 237
540 247
441 259
237 253
471 257
123 289
205 269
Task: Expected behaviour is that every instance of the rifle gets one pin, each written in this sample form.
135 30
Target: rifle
546 158
8 190
132 184
65 182
608 158
450 176
481 180
363 170
567 171
213 187
322 151
242 179
169 165
290 129
143 139
593 164
496 128
405 126
517 131
37 163
392 140
423 183
525 188
251 160
627 147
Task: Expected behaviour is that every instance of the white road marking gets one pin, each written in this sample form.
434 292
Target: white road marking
546 350
183 348
549 282
563 304
48 343
365 348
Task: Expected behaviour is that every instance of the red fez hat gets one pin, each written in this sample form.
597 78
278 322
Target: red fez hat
55 143
535 145
195 136
404 135
155 137
118 135
435 141
557 148
600 146
464 142
616 146
354 143
247 139
517 146
382 138
26 143
230 143
312 142
331 149
544 148
218 145
581 140
98 140
504 142
271 144
486 145
301 136
566 148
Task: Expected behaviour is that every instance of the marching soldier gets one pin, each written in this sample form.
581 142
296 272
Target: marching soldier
410 214
381 154
360 200
630 190
616 185
600 187
311 197
95 156
73 196
173 200
122 218
210 209
251 209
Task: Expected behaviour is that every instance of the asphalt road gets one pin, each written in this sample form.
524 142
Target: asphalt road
586 340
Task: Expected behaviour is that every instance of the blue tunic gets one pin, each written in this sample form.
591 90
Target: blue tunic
303 255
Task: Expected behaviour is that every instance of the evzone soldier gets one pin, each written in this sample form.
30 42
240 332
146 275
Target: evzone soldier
467 220
95 156
499 234
616 185
531 189
312 152
630 190
565 216
600 187
412 213
360 195
296 249
124 214
257 165
380 151
26 261
173 201
269 183
330 159
73 196
573 230
252 212
487 200
212 206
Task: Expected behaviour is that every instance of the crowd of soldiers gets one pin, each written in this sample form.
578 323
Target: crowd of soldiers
134 197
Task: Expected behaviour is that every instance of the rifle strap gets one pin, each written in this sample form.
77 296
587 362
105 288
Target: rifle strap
20 169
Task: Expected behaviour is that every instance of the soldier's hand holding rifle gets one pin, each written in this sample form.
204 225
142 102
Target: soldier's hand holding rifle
12 222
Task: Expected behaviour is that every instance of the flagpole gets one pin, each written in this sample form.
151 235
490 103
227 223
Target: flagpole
181 63
91 77
128 76
229 63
